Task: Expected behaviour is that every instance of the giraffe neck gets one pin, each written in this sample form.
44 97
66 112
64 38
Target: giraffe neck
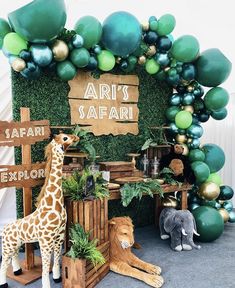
53 196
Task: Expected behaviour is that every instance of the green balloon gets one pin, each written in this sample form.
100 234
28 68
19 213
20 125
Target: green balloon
214 157
211 203
213 68
219 114
14 44
193 206
215 178
151 66
226 192
166 24
106 60
171 113
200 170
216 98
66 70
90 29
80 57
4 30
183 119
196 155
228 205
39 21
209 222
185 48
231 217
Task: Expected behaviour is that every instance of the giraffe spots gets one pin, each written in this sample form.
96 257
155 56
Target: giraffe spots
49 200
52 178
51 188
37 221
52 216
30 230
58 207
25 226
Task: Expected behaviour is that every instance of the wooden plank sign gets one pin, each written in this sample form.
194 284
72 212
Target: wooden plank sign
28 132
107 105
28 175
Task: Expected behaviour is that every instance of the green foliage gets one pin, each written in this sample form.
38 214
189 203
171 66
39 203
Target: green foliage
66 35
74 186
82 248
136 190
168 175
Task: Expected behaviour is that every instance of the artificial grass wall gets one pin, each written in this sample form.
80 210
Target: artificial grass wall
47 98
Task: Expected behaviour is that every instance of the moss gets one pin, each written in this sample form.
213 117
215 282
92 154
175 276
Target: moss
47 99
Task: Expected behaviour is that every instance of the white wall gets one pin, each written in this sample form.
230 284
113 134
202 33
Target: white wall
210 21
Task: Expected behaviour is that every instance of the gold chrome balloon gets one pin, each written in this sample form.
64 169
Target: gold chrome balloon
180 138
142 60
189 109
224 213
186 150
151 51
190 88
209 191
60 50
18 65
145 26
118 60
170 201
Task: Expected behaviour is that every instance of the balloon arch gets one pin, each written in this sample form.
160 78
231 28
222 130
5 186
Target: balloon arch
38 41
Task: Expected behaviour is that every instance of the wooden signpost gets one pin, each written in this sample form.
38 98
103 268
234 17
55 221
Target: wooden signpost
27 175
107 105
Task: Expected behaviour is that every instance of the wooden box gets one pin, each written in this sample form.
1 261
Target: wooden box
117 169
92 215
81 273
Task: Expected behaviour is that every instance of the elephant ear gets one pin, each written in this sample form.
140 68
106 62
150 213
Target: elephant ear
170 223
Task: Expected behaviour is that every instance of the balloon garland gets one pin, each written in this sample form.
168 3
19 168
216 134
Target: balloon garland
38 41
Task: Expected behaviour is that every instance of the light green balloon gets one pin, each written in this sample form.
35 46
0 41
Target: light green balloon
106 60
151 66
185 48
4 30
183 119
215 178
13 43
166 24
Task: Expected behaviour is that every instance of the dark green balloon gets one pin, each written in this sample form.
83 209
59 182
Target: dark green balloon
171 112
200 170
80 57
185 48
213 68
188 99
228 205
4 30
66 70
90 29
39 21
219 114
210 224
193 206
216 98
196 155
194 131
211 203
226 192
198 105
214 157
231 217
175 99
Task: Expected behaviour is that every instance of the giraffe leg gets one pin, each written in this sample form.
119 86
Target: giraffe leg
56 266
6 260
46 258
16 264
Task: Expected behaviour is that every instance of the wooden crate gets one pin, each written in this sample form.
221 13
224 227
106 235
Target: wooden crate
92 215
117 169
81 273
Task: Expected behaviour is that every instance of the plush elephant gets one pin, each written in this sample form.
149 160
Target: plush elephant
181 226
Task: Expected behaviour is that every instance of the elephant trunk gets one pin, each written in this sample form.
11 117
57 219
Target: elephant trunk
183 232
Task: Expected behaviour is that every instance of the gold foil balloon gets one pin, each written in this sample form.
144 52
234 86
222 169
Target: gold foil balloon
18 65
152 50
186 150
142 60
189 108
224 213
145 26
209 191
170 201
180 138
190 88
60 50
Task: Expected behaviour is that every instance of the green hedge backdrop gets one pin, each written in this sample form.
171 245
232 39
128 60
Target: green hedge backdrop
47 98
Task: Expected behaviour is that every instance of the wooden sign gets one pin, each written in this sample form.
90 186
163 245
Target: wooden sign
28 175
107 105
18 133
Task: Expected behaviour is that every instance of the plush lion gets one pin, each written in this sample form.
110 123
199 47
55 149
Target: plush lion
122 260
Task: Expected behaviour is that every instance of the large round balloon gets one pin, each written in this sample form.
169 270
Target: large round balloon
39 21
183 119
121 33
214 157
226 192
195 131
90 29
196 155
13 43
66 70
185 48
216 98
41 54
209 191
200 170
213 68
4 30
209 222
165 24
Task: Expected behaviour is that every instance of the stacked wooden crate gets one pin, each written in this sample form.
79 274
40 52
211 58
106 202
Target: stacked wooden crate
117 169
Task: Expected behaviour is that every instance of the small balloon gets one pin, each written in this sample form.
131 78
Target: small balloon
228 205
41 54
231 217
66 70
185 149
180 138
175 99
162 59
226 192
77 41
164 43
201 172
219 114
97 49
216 98
214 157
183 119
60 50
151 66
152 51
4 30
14 43
189 108
25 55
18 65
209 191
195 131
224 214
196 155
80 57
153 25
173 128
166 24
171 113
142 60
92 64
106 60
189 72
151 37
188 99
194 143
31 71
215 178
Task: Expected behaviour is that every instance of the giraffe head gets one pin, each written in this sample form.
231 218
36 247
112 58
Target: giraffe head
63 141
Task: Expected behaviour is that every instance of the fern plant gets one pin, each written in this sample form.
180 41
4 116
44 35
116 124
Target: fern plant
167 174
82 248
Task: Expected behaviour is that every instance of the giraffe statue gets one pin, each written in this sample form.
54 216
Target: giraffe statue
46 224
